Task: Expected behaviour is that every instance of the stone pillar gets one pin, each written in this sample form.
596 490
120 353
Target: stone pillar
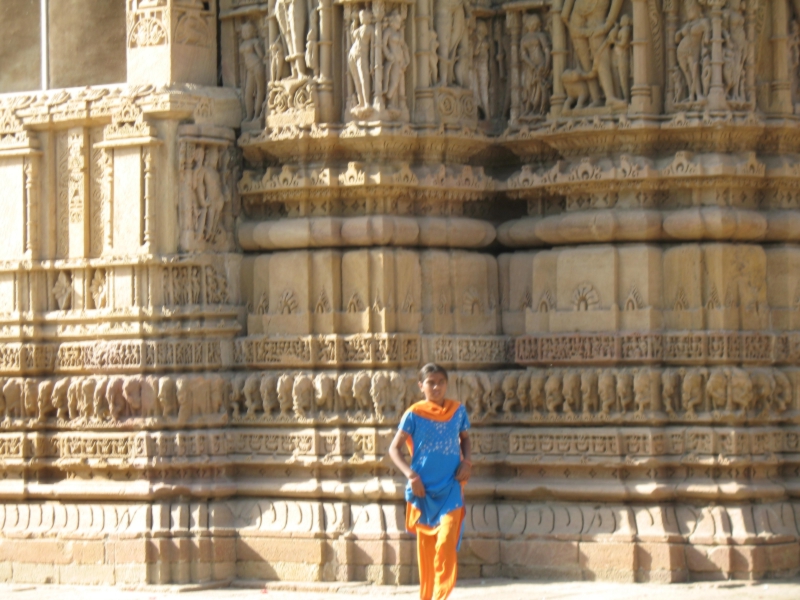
77 196
423 112
716 95
559 59
641 91
326 93
172 42
781 78
513 19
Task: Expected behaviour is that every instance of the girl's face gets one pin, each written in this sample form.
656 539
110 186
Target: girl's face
434 387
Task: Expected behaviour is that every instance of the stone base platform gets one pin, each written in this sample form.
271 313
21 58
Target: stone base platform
252 539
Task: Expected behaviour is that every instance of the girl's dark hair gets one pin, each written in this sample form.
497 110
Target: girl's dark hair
430 369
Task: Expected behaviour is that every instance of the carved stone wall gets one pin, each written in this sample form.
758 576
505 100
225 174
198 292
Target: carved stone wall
217 283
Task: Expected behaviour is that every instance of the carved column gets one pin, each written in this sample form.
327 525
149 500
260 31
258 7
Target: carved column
716 95
559 59
149 199
108 200
641 92
327 107
781 78
671 10
513 25
77 192
423 112
379 10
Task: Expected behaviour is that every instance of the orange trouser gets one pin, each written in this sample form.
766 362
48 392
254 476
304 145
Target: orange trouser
437 556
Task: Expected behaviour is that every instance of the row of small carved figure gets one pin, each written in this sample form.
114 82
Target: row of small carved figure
382 396
606 392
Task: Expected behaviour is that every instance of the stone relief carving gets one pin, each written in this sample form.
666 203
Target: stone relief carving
596 35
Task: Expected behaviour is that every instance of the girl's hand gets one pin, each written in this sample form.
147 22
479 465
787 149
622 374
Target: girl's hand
416 485
464 471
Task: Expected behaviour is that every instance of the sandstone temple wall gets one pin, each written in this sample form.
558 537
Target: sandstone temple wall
233 231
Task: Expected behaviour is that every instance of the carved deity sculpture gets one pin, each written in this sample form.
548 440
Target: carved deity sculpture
591 25
535 56
397 58
254 88
734 52
622 55
450 20
292 16
359 60
692 39
208 193
480 76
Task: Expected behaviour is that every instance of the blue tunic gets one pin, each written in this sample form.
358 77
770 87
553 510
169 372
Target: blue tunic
436 456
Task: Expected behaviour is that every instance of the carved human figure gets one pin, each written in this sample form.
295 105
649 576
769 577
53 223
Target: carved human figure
99 401
480 65
734 51
450 21
254 88
692 38
397 58
794 55
359 58
212 183
433 55
606 386
198 192
590 24
622 55
292 17
535 57
276 61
